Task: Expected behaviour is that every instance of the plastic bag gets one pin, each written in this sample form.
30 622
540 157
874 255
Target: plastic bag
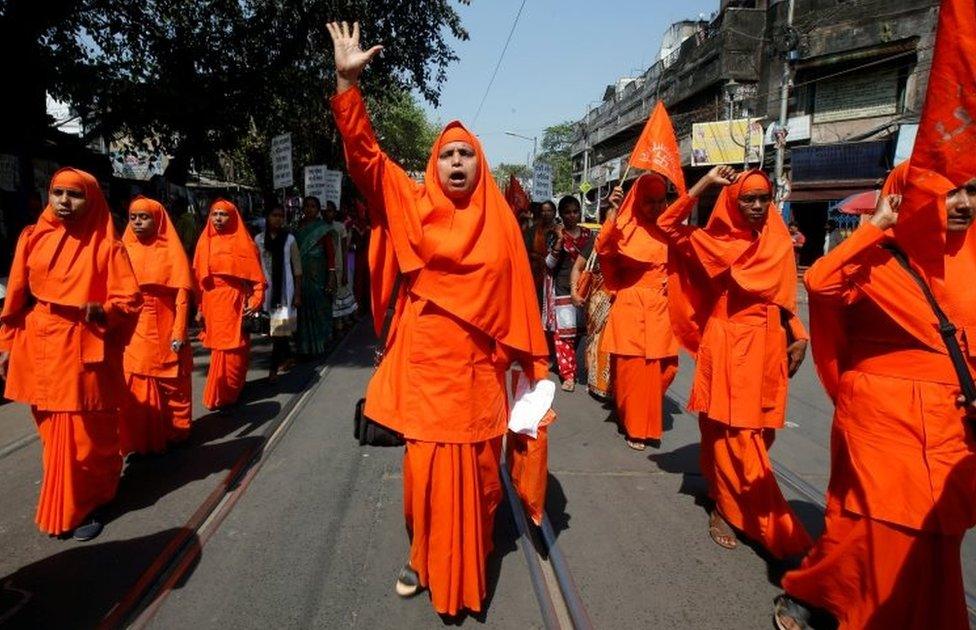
284 321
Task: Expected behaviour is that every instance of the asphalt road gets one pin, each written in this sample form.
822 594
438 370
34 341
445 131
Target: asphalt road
317 535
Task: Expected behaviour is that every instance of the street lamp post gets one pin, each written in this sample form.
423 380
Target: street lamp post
535 143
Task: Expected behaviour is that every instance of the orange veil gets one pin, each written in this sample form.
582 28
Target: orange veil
163 260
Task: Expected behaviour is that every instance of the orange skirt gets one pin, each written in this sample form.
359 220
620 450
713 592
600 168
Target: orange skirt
870 574
81 466
155 414
639 387
450 494
736 466
226 376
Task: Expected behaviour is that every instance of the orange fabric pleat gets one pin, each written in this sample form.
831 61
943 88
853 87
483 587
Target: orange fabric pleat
81 466
528 464
156 413
736 466
226 376
639 387
450 494
870 574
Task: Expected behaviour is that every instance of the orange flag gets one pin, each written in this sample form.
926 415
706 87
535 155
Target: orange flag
657 148
947 131
515 195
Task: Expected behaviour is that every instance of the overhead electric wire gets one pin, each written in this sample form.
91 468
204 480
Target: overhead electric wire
499 64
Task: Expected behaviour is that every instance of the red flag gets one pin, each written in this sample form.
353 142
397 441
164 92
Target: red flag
515 195
947 131
657 148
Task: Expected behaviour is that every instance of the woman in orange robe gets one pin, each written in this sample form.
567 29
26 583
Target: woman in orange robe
465 311
71 302
158 360
644 351
230 285
903 468
733 305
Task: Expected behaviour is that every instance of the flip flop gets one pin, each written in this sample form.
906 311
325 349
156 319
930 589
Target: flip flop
785 606
721 533
637 446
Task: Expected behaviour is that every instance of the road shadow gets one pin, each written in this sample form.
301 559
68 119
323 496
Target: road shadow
78 587
147 480
556 503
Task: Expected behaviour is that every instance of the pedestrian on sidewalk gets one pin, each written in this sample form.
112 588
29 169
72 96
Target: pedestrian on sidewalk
465 312
158 360
318 257
230 287
562 318
71 303
644 351
282 266
734 308
797 237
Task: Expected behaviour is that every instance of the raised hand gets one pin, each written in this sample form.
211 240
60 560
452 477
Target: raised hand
718 176
886 213
616 197
350 58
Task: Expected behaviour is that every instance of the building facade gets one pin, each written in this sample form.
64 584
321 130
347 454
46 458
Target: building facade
859 73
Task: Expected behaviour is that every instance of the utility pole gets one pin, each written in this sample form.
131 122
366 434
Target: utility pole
787 45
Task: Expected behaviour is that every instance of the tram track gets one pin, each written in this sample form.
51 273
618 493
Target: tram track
140 603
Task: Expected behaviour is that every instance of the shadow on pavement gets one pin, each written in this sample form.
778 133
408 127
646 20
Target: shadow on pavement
85 580
556 503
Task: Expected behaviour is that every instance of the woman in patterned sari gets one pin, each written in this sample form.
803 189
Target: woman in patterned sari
596 308
318 254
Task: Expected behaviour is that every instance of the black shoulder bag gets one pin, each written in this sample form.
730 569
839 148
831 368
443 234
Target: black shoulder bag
367 431
946 328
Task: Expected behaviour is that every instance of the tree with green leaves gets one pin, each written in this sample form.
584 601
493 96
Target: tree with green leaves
211 81
556 143
503 171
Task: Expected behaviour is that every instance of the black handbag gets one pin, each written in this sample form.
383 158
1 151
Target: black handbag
257 323
369 432
946 328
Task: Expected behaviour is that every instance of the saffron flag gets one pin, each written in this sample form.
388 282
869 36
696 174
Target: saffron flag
515 195
657 149
947 131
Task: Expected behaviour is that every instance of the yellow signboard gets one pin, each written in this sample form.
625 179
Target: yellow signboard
726 142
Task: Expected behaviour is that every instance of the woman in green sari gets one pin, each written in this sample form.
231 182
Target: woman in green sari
318 280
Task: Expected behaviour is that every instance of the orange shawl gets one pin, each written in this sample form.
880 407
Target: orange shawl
763 264
70 265
640 239
228 253
163 260
467 257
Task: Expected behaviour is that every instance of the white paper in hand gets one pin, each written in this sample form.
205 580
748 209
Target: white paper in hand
530 406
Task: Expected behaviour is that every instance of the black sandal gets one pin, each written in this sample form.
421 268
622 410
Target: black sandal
408 582
786 606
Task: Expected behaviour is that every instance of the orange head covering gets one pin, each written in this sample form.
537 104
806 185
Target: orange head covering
75 252
162 261
468 255
228 253
71 263
762 264
640 238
